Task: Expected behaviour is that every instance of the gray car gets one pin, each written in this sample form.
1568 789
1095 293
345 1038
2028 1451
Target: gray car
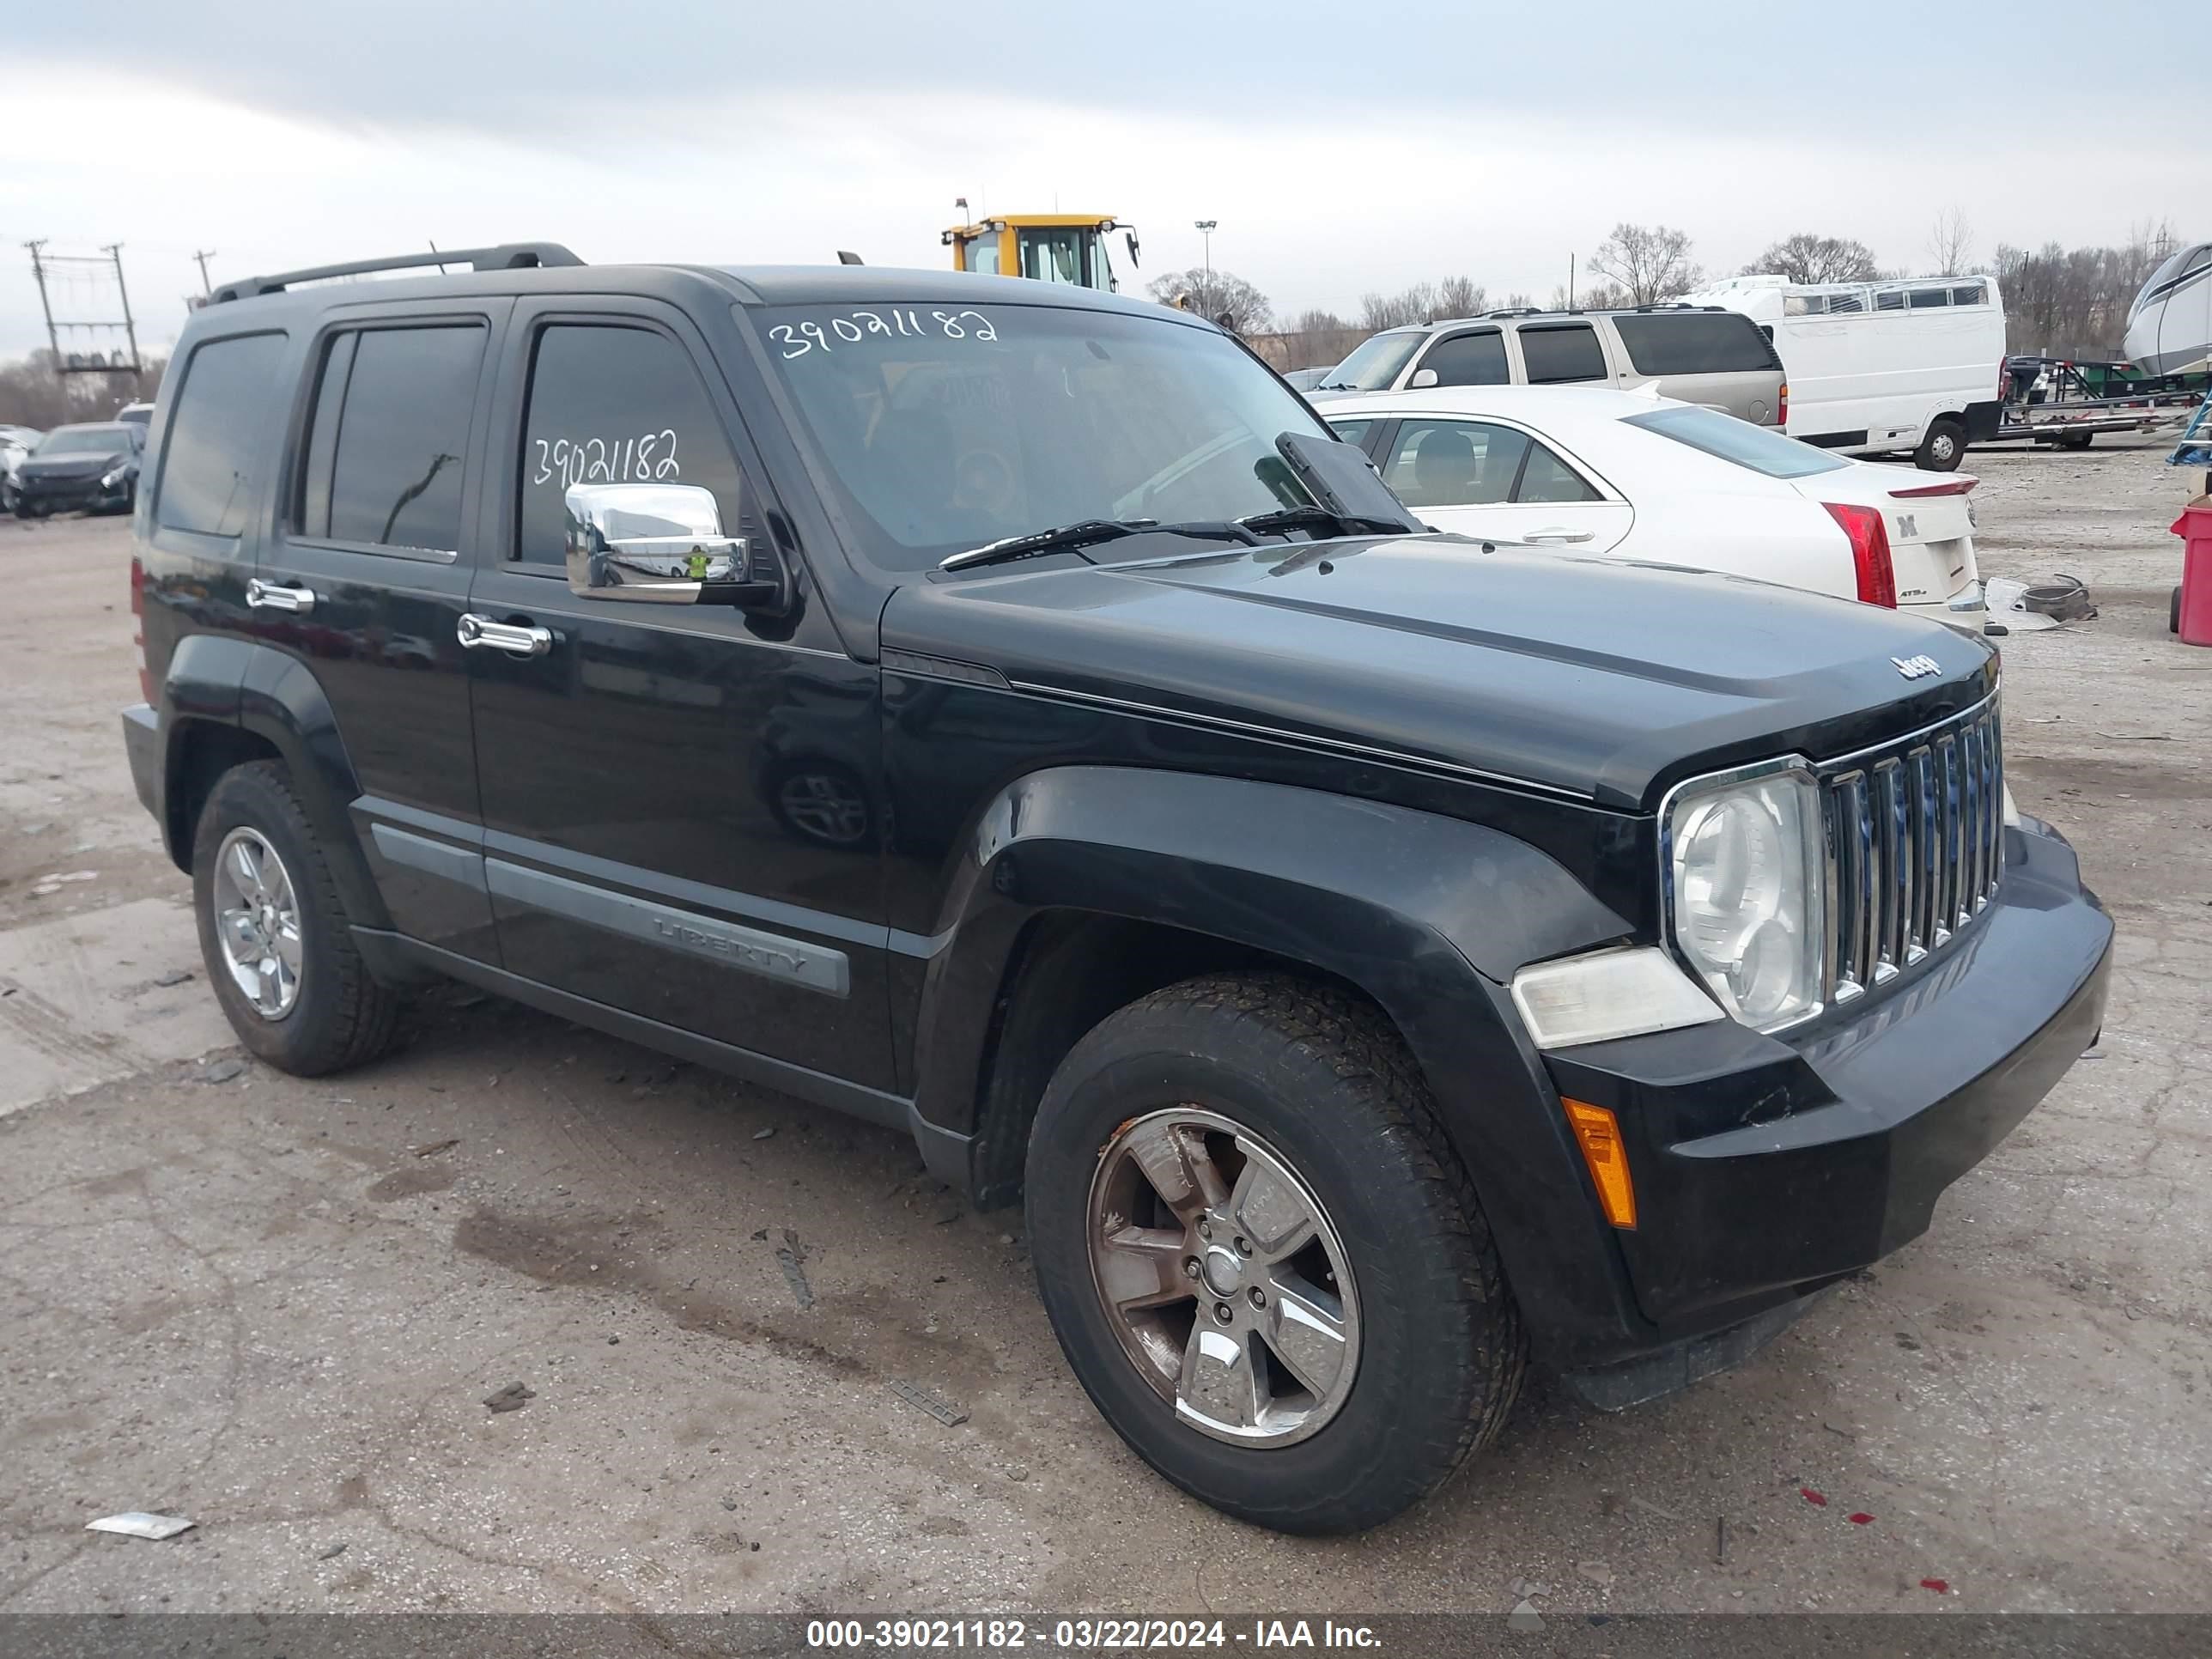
1699 354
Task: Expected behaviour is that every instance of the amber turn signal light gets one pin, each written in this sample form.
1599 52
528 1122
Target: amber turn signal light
1599 1138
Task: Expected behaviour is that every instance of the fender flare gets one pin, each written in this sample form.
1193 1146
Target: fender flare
213 680
1426 914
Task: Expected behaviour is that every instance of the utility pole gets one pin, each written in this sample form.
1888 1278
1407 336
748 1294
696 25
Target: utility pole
114 250
1205 228
44 264
39 274
203 255
1570 281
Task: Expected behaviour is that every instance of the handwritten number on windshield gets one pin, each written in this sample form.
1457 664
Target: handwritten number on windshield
798 339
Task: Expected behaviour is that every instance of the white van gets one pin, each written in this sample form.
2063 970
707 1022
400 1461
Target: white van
1877 368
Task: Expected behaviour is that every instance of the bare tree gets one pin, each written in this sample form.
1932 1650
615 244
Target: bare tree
1517 300
1220 296
2075 301
1806 258
1592 296
1651 262
1460 297
33 394
1316 338
1951 243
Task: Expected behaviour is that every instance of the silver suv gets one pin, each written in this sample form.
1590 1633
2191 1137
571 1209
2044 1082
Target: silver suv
1699 354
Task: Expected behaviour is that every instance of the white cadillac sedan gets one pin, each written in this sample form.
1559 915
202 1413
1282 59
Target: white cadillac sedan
1588 470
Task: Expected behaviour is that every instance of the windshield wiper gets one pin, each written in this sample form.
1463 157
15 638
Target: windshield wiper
1089 532
1319 518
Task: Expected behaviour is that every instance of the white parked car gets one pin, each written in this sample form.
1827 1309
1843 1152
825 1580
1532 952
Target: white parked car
1590 471
16 442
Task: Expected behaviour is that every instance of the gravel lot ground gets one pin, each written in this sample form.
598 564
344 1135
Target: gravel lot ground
276 1306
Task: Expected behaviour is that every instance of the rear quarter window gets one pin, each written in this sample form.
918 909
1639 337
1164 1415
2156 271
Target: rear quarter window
1695 343
207 472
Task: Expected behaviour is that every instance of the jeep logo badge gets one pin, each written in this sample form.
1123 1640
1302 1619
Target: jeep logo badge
1915 668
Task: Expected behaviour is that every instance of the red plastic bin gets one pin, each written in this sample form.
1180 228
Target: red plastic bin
2192 605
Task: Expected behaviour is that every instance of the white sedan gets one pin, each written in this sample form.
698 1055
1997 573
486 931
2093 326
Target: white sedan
1587 469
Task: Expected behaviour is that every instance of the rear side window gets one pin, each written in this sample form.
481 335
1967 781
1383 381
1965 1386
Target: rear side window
1558 353
207 468
1477 359
390 428
613 404
1694 342
1545 478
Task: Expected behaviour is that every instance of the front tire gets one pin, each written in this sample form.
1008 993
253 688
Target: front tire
1942 446
275 935
1263 1258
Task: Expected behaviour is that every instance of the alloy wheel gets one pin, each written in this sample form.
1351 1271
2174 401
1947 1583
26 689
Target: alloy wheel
1224 1277
256 917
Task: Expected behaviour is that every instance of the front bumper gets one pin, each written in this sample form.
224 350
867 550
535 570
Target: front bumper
1767 1167
69 495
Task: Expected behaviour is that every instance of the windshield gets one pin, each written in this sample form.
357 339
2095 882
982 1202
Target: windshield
85 440
1760 448
1375 361
945 430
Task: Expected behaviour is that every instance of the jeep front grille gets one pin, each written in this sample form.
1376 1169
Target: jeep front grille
1915 835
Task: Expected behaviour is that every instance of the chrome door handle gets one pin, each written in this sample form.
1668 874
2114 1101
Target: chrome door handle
1560 535
473 631
278 596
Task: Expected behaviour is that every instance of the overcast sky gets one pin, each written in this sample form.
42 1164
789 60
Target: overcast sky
1340 148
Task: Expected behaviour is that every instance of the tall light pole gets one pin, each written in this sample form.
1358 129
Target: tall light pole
1205 228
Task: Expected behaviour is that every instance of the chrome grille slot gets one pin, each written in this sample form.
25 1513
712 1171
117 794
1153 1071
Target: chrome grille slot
1915 837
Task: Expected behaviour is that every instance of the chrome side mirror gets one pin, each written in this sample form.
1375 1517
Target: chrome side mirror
1422 380
663 544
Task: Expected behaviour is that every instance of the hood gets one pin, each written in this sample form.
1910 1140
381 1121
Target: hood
73 466
1600 679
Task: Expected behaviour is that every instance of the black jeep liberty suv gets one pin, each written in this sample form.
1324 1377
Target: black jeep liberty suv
1377 959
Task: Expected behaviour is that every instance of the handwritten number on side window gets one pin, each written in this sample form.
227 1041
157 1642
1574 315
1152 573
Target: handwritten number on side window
648 458
799 339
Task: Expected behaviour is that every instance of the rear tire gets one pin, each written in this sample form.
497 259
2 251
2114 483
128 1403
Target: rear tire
263 893
2075 439
1297 1098
1942 446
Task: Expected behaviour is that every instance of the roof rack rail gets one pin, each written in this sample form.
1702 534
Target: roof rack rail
1677 304
510 255
1515 311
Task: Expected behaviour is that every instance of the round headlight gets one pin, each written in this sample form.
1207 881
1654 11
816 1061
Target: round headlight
1745 892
